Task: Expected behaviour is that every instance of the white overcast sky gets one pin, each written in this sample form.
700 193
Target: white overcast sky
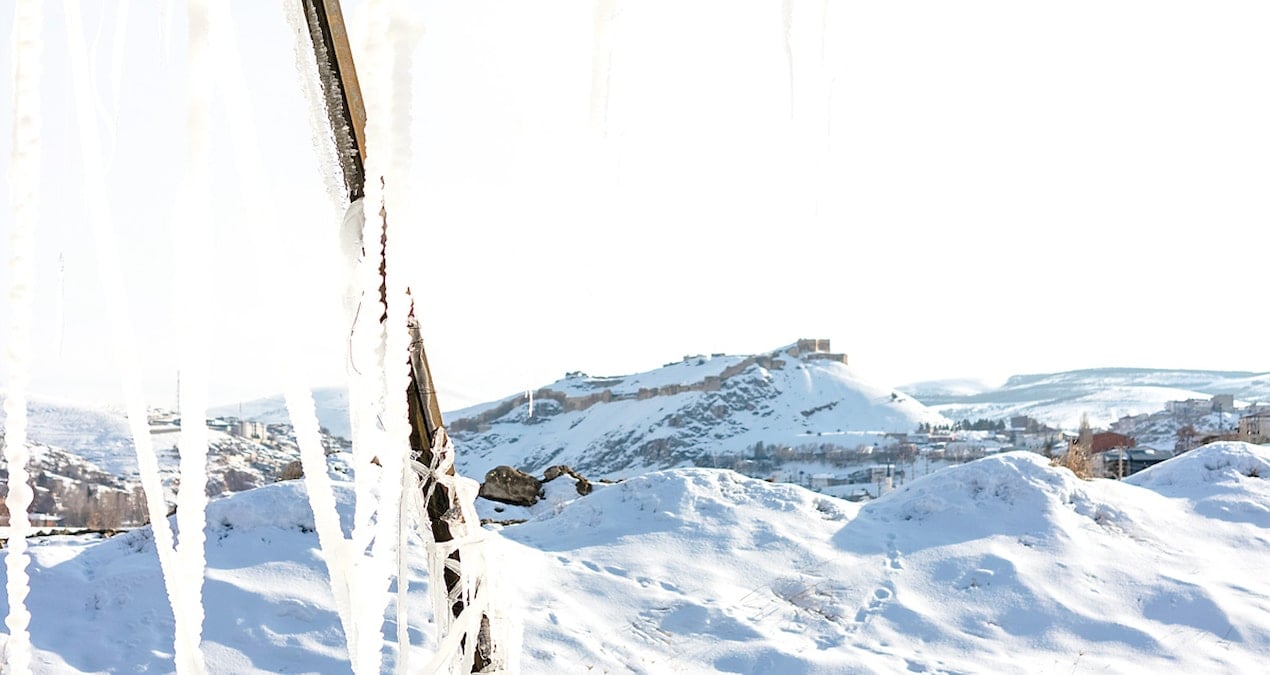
949 189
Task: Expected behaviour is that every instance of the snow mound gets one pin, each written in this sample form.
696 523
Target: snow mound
692 500
279 506
1225 462
1224 481
1010 493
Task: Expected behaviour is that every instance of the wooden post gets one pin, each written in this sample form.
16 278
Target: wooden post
347 114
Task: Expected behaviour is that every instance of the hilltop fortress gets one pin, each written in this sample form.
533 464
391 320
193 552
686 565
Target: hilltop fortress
609 389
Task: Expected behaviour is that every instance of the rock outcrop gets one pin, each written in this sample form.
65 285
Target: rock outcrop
511 486
583 485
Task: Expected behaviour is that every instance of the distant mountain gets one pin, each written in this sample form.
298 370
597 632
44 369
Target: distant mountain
686 413
1102 394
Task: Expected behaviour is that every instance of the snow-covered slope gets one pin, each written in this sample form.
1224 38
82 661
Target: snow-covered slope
95 433
85 467
682 414
1001 565
1102 394
330 403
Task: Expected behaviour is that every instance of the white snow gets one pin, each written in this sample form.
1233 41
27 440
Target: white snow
1001 565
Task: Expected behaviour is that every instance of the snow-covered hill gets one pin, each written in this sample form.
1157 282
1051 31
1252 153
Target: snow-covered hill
683 414
330 404
85 467
1102 394
1001 565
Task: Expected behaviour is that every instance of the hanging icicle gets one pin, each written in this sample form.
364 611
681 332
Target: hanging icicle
604 22
24 172
254 185
59 311
123 338
787 22
192 225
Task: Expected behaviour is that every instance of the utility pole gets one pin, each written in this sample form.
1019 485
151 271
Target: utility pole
347 117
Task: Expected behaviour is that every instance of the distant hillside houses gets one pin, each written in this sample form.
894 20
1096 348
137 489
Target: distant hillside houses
1187 424
1197 421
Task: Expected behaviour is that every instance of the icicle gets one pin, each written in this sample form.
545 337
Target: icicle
24 172
59 315
529 394
824 23
603 20
409 487
165 30
299 399
787 17
192 224
384 383
98 204
117 44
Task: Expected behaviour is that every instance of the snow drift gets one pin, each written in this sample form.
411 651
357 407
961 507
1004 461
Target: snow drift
1005 564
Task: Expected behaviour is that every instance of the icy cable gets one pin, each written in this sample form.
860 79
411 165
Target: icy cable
122 336
191 236
249 165
24 171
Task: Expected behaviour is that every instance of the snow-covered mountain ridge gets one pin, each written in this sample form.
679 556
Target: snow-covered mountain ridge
687 413
1102 394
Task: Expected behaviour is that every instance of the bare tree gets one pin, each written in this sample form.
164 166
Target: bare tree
1079 455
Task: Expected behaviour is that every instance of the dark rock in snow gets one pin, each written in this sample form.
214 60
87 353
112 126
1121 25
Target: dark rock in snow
511 486
583 485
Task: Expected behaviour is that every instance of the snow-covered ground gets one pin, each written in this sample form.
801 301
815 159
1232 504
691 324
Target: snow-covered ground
1000 565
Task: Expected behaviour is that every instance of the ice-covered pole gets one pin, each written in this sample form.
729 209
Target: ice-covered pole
469 625
24 172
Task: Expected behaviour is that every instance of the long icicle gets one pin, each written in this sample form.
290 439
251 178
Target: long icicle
24 172
373 575
191 240
396 64
299 399
122 336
